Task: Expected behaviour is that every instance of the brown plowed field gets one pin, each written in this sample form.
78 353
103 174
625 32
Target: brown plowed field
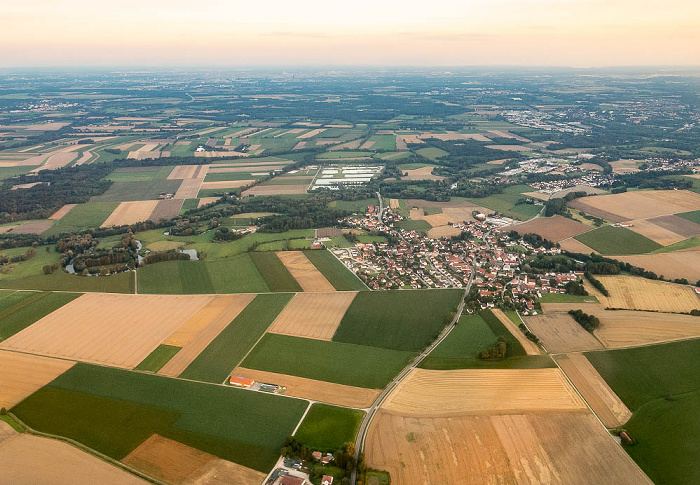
27 459
630 293
112 329
530 347
575 246
313 315
130 213
222 472
553 228
678 225
443 231
167 460
277 190
436 393
183 172
568 448
356 397
166 209
189 188
61 212
594 211
211 324
603 400
643 204
678 264
561 333
306 274
23 374
656 233
32 227
423 173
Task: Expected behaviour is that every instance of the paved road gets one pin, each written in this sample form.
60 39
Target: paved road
362 433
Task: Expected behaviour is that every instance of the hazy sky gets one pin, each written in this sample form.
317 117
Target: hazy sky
366 32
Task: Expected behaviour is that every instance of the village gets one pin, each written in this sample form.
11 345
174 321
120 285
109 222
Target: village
489 257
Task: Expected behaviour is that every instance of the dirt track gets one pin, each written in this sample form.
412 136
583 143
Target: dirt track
530 347
303 270
313 315
329 392
21 375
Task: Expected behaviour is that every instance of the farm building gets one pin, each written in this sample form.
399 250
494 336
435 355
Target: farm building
241 381
327 480
290 480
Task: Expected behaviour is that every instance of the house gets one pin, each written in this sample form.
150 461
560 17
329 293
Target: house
290 480
241 381
317 455
327 480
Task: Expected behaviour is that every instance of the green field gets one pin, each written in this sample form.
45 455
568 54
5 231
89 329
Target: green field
693 216
139 174
189 204
398 320
418 226
660 384
507 202
286 245
342 363
617 241
327 428
82 216
143 190
564 298
229 275
383 143
113 411
342 154
62 281
276 275
27 310
158 358
691 242
227 176
228 349
431 153
337 275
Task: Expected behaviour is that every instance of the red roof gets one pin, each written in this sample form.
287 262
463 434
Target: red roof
241 381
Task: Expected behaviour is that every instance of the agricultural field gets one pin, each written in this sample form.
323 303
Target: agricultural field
509 203
638 205
676 264
273 271
303 271
560 333
313 315
21 311
341 363
660 385
114 411
617 241
512 322
399 320
630 293
327 428
553 228
24 374
226 351
82 216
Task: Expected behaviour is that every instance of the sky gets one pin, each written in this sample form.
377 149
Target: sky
577 33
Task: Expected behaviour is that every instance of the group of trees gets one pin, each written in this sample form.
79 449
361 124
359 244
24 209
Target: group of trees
589 322
343 457
575 288
597 284
498 351
31 252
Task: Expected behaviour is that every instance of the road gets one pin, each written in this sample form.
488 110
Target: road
362 433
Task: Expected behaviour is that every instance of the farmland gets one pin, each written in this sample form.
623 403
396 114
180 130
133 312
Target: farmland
617 240
406 320
24 374
638 205
327 428
553 228
342 363
660 386
303 271
561 333
631 293
114 411
677 264
313 315
29 309
234 342
275 274
333 270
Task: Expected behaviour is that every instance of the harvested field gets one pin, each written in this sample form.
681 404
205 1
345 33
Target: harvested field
222 472
624 166
23 374
367 145
27 459
4 229
553 228
166 209
184 172
508 134
630 293
641 204
444 393
622 328
306 274
677 225
226 184
423 173
313 315
61 212
656 233
311 133
510 148
202 329
299 145
606 404
357 397
206 200
575 246
189 188
111 329
130 213
167 460
521 448
277 190
534 195
59 160
561 333
530 347
394 203
678 264
32 227
443 231
274 166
